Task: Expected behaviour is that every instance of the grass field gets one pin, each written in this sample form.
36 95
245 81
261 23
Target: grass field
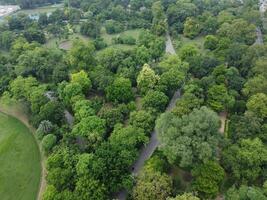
39 10
181 40
20 169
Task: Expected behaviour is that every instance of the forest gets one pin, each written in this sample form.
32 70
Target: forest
101 87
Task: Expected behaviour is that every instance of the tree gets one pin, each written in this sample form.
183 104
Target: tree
111 115
188 51
142 119
110 58
192 28
152 185
120 91
82 79
67 91
113 26
245 192
246 159
88 188
81 55
90 28
83 109
147 79
34 34
45 127
254 85
244 127
186 104
93 128
210 42
155 100
191 139
239 31
219 99
49 142
159 25
257 104
185 196
208 178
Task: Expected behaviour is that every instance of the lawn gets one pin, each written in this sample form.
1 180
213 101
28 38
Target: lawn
180 40
108 37
39 10
20 169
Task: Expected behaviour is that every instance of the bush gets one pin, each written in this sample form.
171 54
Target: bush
100 44
113 27
124 39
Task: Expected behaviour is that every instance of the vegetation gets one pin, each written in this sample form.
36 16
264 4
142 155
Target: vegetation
96 82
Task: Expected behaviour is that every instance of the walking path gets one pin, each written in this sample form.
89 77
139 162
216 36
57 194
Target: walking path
148 150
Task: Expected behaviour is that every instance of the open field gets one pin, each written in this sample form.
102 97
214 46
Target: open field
19 160
67 43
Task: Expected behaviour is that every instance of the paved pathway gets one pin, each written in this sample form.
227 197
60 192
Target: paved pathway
148 150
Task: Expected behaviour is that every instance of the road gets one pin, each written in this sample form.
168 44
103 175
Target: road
148 150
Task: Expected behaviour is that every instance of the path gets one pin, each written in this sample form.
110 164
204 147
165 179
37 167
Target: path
148 150
24 119
223 118
262 9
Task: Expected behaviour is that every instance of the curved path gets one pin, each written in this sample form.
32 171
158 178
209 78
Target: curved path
24 119
148 150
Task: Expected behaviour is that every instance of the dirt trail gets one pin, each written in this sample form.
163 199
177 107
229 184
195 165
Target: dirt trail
16 113
223 118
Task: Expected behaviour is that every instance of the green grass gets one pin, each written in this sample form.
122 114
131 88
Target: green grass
108 37
43 9
20 169
181 40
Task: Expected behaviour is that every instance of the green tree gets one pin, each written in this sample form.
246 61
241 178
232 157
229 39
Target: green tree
159 25
246 159
219 99
192 28
210 42
257 104
93 128
155 100
186 104
82 79
208 178
81 55
152 185
147 79
142 119
49 142
120 91
185 196
197 131
88 188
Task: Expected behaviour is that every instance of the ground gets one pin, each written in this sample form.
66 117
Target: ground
20 169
